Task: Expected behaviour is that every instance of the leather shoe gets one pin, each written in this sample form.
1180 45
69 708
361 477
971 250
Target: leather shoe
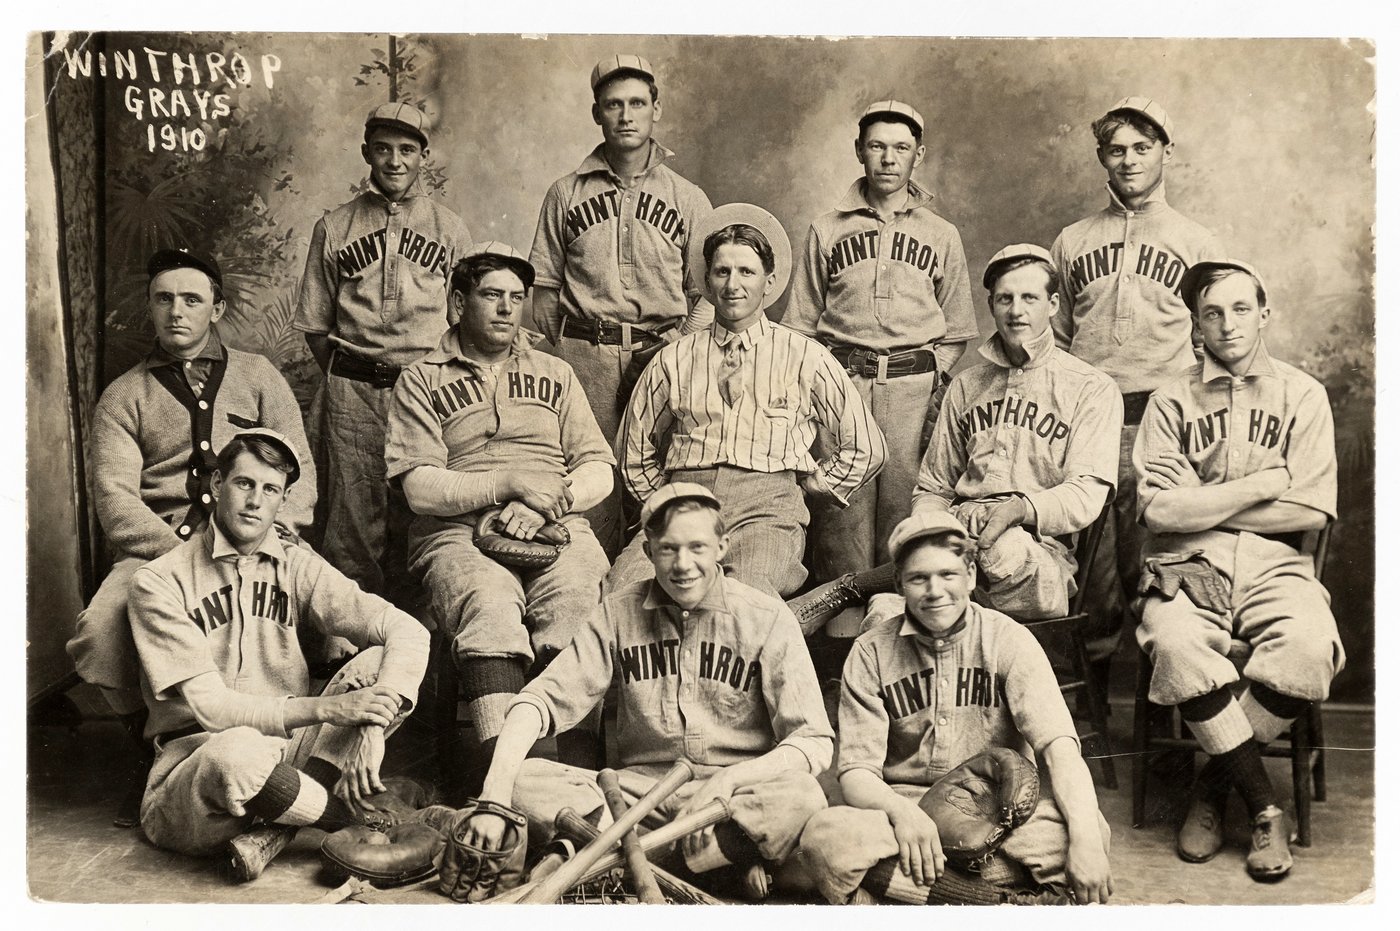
1202 833
1269 858
824 602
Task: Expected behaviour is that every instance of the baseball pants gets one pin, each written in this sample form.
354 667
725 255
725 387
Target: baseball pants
1113 577
841 843
853 539
492 610
102 647
1277 606
766 516
770 813
366 521
199 783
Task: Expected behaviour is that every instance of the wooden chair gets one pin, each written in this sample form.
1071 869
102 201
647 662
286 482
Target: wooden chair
1305 739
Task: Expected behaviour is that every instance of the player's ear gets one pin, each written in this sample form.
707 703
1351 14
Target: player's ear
216 481
1264 316
770 282
1054 303
919 156
723 548
597 115
364 153
1102 155
646 543
656 111
1167 150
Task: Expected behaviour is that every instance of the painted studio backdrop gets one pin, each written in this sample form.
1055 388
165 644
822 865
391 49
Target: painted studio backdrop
237 143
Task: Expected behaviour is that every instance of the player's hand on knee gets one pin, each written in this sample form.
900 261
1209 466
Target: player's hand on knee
520 522
1090 880
920 848
1000 518
377 705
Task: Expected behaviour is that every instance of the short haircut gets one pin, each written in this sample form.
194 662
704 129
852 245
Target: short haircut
740 234
468 272
1052 274
1216 275
1105 126
662 518
261 449
214 287
623 73
889 117
952 541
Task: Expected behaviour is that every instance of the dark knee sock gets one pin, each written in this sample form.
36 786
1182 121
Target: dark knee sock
1224 732
954 887
1245 767
290 796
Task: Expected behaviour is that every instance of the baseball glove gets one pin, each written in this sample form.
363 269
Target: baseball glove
976 804
470 874
538 553
402 854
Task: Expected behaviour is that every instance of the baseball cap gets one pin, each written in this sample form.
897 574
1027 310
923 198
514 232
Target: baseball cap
166 259
1021 250
895 108
614 63
676 491
925 524
748 215
400 116
518 262
1151 109
1191 281
277 439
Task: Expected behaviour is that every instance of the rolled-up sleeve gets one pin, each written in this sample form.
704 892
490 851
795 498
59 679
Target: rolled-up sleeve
575 680
861 716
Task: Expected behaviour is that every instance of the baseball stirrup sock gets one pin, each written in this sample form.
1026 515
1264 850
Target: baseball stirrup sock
290 796
1217 720
488 685
1270 713
1245 765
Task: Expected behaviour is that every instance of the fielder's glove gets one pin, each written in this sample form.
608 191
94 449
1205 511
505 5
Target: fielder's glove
538 553
470 874
978 803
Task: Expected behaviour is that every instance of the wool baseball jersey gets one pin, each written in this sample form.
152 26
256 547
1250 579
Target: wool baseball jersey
1048 430
1230 427
526 413
203 608
915 705
881 285
617 252
789 385
1120 280
377 275
720 683
155 445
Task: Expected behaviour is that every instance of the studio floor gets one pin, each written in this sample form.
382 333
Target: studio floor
74 854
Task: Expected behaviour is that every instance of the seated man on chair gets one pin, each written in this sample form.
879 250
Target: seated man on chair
709 670
1023 452
487 420
913 707
1235 462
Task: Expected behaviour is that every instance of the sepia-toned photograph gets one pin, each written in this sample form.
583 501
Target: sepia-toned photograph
698 469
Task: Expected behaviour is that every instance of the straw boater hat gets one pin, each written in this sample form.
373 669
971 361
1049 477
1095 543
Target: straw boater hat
759 219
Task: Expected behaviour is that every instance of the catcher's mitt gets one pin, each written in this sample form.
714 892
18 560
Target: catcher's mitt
401 854
538 553
470 874
976 804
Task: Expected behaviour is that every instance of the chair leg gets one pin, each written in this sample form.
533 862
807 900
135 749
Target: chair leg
1319 752
1098 716
1140 715
1302 790
445 707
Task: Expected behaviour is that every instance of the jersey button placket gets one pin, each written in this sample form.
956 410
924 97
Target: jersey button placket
1123 309
393 232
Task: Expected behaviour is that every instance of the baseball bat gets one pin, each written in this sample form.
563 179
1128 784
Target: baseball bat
571 825
648 892
664 836
559 882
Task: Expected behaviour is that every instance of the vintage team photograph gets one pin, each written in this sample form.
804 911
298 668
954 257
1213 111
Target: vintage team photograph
487 468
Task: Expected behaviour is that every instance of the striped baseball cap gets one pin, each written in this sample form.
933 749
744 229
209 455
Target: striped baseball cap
1151 109
892 108
401 116
614 63
1021 250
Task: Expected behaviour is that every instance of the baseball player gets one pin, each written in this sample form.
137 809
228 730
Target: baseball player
238 736
922 692
736 408
155 433
482 421
1235 462
1122 312
884 286
708 670
611 252
373 300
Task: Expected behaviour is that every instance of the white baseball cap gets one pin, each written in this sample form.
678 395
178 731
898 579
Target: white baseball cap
925 524
1151 109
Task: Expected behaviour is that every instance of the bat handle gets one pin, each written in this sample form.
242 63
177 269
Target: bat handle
637 866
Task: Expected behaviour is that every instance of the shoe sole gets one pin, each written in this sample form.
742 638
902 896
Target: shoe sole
1260 876
1189 858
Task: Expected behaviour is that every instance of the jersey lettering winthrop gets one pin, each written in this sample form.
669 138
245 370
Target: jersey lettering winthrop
861 247
654 660
1015 410
216 608
913 693
650 209
1153 262
413 246
469 390
1265 430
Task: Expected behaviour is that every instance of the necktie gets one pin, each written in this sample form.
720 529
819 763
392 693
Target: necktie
729 368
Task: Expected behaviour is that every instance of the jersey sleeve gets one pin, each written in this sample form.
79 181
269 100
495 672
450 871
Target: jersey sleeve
580 438
647 417
459 243
547 251
793 697
1092 453
861 717
414 434
808 297
1160 432
131 527
859 443
316 296
1063 321
701 313
1031 689
1311 454
954 292
279 410
172 647
578 678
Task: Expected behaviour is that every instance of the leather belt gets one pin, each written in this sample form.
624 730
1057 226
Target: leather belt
871 364
601 332
378 374
1293 538
1134 404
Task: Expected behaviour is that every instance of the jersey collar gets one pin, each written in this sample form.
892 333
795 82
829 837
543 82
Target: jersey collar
597 160
713 601
747 338
1155 201
416 189
220 548
854 199
449 348
1040 349
910 628
213 351
1263 364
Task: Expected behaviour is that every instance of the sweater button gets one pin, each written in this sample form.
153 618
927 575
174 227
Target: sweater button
204 405
184 531
204 445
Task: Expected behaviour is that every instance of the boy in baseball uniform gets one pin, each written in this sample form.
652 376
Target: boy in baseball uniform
883 284
484 421
708 670
611 253
921 693
239 736
156 431
1236 462
373 300
736 408
1122 312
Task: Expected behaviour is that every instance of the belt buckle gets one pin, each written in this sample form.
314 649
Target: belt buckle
385 374
597 332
